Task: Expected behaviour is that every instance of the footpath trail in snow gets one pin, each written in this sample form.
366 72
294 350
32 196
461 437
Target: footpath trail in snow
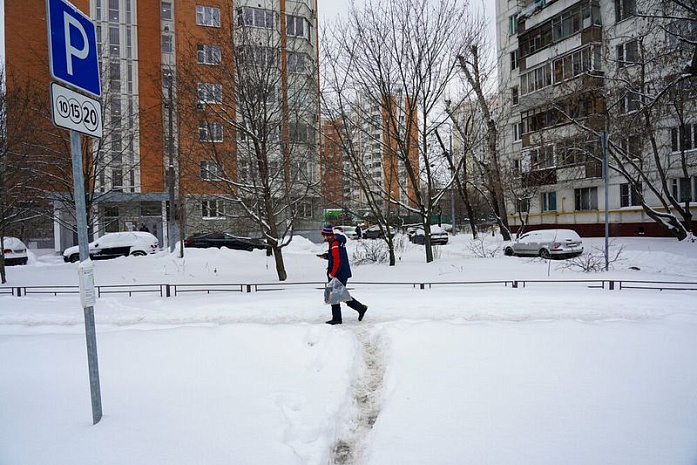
350 448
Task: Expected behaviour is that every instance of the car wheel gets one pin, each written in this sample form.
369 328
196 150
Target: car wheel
138 253
544 253
74 258
508 251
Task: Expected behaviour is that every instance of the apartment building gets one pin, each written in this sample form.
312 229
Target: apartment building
170 111
571 70
373 166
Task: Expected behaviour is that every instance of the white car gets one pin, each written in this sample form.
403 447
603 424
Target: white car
348 231
14 251
112 245
547 243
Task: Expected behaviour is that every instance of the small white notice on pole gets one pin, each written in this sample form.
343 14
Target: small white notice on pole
88 296
75 111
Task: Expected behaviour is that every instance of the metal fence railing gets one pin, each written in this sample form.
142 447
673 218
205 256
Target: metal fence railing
173 290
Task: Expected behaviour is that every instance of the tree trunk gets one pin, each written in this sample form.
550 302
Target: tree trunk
280 266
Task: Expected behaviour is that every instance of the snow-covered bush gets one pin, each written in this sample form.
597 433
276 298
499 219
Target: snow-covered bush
370 251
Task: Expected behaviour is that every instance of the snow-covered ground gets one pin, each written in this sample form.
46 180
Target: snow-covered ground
481 374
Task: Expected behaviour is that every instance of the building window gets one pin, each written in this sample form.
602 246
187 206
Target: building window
167 46
210 93
535 79
627 53
300 133
212 209
166 11
114 41
632 146
576 63
113 11
297 62
681 188
586 199
207 16
542 158
256 56
514 95
680 32
630 102
549 201
303 210
522 205
630 196
514 59
295 26
117 179
208 54
210 170
624 9
210 132
683 138
255 17
513 24
517 132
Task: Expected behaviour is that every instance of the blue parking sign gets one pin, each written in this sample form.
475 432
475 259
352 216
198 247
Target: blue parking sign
72 45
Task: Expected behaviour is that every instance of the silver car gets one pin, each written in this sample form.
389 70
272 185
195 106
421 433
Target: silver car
547 243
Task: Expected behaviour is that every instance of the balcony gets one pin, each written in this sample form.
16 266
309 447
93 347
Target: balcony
539 177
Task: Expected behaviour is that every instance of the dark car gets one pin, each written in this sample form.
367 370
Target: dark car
218 239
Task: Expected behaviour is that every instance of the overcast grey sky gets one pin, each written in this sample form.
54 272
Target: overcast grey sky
329 9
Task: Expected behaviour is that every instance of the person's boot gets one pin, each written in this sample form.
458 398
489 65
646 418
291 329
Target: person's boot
333 322
361 312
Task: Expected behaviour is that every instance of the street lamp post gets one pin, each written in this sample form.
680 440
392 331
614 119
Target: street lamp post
603 143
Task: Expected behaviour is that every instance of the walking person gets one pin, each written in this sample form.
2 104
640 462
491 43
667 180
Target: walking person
339 268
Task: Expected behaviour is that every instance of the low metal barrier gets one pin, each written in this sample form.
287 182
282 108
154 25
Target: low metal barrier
173 290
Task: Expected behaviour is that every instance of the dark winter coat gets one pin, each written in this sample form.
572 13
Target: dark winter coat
338 266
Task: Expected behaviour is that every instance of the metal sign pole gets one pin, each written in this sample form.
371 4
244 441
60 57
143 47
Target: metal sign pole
90 332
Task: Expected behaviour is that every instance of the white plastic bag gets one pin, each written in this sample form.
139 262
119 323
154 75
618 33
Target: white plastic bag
336 292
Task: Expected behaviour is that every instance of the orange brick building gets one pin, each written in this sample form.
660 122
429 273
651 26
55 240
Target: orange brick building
168 98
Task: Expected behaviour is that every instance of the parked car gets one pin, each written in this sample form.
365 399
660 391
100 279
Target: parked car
14 251
222 239
348 231
374 232
547 243
418 236
118 244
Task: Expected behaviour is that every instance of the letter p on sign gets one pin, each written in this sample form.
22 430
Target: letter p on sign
72 47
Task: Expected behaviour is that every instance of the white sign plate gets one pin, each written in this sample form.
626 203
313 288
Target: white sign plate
76 112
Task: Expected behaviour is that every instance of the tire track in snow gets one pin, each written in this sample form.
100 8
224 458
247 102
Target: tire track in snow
349 449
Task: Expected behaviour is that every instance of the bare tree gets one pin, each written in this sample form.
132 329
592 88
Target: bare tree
17 125
477 74
400 56
263 98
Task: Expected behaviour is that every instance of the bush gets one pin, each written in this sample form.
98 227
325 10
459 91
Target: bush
593 261
370 251
483 248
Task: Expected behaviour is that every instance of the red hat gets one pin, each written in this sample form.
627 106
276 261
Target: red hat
328 230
